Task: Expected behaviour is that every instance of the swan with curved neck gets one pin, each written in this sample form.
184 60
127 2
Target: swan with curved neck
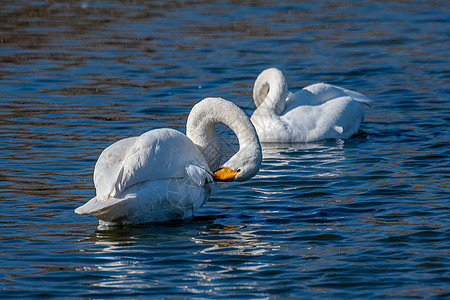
200 128
164 174
319 111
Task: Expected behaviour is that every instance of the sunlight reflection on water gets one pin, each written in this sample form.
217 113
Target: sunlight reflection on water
320 220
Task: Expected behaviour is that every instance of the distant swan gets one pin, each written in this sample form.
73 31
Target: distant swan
164 174
319 111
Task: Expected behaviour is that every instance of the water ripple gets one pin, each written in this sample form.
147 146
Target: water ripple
361 218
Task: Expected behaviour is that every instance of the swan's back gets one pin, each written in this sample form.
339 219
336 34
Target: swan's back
156 154
338 118
319 93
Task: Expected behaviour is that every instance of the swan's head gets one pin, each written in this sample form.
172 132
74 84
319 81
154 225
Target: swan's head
200 128
240 167
270 90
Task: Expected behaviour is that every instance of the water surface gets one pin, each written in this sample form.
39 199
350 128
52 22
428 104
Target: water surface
361 218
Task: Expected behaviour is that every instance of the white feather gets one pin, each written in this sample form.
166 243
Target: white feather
198 174
319 111
163 174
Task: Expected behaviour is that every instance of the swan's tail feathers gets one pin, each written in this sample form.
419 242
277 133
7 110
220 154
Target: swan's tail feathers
87 207
94 205
360 98
366 103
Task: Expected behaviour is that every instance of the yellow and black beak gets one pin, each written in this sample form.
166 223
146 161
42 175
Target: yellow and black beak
225 174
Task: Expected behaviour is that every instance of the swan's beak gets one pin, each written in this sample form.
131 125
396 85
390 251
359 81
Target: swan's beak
225 174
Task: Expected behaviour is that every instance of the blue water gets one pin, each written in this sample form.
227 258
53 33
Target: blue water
365 218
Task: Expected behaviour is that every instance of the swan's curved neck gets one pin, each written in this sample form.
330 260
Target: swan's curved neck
200 128
270 90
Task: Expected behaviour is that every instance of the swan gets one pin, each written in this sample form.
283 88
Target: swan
164 174
319 111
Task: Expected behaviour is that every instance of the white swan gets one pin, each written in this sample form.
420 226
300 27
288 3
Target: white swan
164 174
319 111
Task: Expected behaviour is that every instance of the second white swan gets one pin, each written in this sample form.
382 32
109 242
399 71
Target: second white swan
319 111
164 174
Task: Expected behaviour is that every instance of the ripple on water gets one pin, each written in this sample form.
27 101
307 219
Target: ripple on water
320 220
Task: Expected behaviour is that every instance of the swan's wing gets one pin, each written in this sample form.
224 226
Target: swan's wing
300 98
109 165
323 92
157 154
337 118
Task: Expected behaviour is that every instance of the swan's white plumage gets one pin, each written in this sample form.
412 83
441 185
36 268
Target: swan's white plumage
153 155
319 111
163 174
157 176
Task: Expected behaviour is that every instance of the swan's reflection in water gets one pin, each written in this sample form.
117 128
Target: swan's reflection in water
233 240
184 255
291 167
317 154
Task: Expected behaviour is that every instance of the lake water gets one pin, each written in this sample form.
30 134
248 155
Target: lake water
365 218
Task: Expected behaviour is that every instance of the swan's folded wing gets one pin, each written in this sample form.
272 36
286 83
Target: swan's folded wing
157 154
109 165
323 92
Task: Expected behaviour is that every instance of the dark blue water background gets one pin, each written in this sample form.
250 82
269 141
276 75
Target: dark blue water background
363 218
